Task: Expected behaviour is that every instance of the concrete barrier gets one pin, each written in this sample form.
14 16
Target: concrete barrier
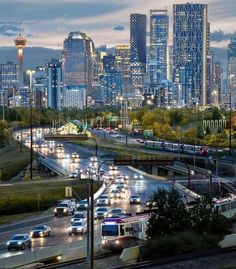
100 191
131 255
146 174
228 241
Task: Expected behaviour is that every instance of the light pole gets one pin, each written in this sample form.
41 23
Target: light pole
210 186
30 73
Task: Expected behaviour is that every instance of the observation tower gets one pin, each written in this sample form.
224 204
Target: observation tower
20 43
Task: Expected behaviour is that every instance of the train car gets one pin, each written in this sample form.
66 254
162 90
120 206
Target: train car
226 206
176 147
119 233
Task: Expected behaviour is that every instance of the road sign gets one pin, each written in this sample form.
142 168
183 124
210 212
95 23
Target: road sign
68 191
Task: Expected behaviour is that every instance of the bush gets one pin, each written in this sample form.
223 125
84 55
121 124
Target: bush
177 244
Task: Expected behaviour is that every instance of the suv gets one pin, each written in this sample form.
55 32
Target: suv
19 241
64 208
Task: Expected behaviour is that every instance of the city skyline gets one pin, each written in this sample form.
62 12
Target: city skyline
107 22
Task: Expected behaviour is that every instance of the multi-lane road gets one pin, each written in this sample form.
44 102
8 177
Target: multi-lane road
60 225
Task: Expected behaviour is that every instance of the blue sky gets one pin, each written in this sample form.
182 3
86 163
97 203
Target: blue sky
47 22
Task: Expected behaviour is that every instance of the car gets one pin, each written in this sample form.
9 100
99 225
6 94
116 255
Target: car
115 194
59 146
150 204
64 208
116 213
119 179
74 155
138 176
44 145
103 200
140 140
80 215
135 199
82 205
94 159
19 241
40 231
78 227
122 187
101 212
66 156
73 175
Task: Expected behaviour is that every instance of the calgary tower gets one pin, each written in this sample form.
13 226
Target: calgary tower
20 43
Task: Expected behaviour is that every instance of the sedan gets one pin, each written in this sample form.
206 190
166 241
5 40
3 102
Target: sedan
78 227
138 176
115 194
73 175
19 241
135 199
116 213
83 204
101 212
40 231
103 200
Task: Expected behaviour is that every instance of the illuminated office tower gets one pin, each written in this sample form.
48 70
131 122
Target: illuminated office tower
123 62
231 72
138 40
54 84
159 29
190 51
78 61
218 74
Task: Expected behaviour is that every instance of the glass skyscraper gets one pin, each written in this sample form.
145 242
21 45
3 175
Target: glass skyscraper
54 84
159 25
77 58
138 40
231 71
190 51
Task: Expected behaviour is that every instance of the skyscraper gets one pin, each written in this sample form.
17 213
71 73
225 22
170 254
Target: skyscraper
123 62
77 58
138 40
190 51
54 84
231 71
218 72
159 29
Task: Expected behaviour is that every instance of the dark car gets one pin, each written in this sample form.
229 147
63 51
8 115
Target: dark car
19 241
40 231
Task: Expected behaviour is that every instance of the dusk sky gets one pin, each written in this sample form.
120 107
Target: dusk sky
47 22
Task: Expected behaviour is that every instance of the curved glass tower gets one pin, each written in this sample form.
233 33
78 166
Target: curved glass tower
77 58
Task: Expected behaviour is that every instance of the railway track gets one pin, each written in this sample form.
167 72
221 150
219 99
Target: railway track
176 259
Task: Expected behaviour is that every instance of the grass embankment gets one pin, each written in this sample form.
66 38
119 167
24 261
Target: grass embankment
12 160
33 196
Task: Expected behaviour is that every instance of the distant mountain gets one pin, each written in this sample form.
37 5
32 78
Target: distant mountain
39 56
33 56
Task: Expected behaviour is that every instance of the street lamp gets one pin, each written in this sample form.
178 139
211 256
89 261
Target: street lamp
30 73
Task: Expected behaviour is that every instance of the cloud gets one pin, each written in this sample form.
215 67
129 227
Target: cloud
10 28
119 28
219 36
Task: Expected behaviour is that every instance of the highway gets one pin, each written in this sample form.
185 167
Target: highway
59 225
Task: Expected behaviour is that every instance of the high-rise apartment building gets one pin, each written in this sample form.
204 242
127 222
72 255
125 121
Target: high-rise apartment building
77 58
74 96
218 73
54 84
123 62
108 62
231 72
159 31
138 40
190 51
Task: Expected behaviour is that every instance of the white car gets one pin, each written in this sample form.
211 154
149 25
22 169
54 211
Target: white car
93 159
135 199
116 212
73 175
78 227
103 200
101 212
82 205
115 194
74 155
138 176
79 215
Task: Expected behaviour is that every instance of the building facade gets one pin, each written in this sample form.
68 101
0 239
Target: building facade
190 51
74 96
138 41
231 74
159 31
123 62
78 60
54 84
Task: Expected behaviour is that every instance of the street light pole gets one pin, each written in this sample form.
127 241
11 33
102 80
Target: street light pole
30 72
230 123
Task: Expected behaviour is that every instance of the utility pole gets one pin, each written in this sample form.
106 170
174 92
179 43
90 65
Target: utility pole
92 227
230 122
88 222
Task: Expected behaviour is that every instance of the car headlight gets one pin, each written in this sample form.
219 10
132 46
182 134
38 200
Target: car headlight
55 210
117 242
103 242
65 210
8 243
31 233
19 243
70 229
72 220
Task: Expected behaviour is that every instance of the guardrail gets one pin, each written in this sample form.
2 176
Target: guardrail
52 166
